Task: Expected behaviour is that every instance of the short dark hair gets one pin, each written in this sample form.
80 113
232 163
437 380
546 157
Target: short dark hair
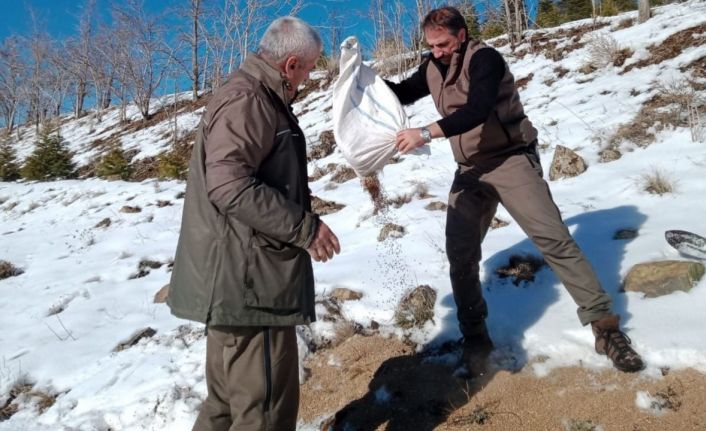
447 17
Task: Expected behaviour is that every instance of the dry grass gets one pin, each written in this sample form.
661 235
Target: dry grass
657 183
416 307
672 105
325 147
323 207
320 172
8 270
343 174
521 268
522 82
580 425
604 50
672 46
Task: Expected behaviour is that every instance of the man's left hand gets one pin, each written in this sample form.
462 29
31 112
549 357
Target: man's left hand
409 140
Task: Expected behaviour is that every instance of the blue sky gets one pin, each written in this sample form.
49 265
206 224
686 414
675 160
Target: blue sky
59 17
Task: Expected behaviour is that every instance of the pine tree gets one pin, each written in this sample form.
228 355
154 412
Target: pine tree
9 170
50 159
471 16
114 164
625 5
548 14
572 10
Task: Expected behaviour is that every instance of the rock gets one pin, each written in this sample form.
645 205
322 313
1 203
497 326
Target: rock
625 234
436 206
103 223
498 223
416 307
566 164
608 155
662 278
343 294
135 338
161 296
130 210
391 230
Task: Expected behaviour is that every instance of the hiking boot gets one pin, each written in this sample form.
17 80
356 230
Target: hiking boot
615 344
476 351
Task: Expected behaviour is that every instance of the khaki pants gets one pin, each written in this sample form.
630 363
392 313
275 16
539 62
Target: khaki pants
515 182
252 376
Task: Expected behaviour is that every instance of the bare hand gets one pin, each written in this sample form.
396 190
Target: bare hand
408 140
324 245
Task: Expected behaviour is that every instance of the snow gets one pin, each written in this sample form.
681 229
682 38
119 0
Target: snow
78 297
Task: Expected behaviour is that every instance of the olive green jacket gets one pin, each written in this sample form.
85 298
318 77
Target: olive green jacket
241 258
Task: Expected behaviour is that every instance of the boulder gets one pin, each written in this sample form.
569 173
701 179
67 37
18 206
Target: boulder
343 294
664 277
566 164
161 296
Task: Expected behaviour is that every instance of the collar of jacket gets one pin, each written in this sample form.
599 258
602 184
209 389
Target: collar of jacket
258 68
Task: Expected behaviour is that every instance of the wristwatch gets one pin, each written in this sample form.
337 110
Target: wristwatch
426 135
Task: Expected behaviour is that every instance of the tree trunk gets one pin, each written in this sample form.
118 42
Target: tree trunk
80 97
195 51
643 7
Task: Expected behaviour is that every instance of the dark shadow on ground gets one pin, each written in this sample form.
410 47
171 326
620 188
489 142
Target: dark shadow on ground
412 392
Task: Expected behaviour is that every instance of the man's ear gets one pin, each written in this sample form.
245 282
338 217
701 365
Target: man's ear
290 63
463 35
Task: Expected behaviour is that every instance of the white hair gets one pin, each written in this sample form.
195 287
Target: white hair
289 36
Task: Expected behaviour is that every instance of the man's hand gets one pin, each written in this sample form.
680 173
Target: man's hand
408 140
324 245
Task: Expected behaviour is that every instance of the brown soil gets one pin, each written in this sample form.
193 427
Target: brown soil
424 395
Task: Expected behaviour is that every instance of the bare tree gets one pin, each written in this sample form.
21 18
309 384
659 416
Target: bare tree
37 44
231 28
12 75
101 68
515 20
58 79
143 53
190 35
643 7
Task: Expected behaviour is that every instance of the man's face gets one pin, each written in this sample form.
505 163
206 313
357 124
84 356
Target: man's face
442 43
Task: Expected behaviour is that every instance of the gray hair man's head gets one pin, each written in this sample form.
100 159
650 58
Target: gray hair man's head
289 36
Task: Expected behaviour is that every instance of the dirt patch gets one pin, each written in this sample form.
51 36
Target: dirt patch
672 46
377 383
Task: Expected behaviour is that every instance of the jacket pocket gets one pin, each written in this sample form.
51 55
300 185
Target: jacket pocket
277 274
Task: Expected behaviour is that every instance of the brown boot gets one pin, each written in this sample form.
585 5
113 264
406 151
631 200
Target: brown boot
612 342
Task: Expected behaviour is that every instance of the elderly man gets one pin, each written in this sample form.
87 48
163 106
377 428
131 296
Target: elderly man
243 261
495 146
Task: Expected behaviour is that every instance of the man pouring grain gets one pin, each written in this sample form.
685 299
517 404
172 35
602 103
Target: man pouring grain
495 146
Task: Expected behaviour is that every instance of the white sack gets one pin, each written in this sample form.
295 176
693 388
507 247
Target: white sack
366 113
